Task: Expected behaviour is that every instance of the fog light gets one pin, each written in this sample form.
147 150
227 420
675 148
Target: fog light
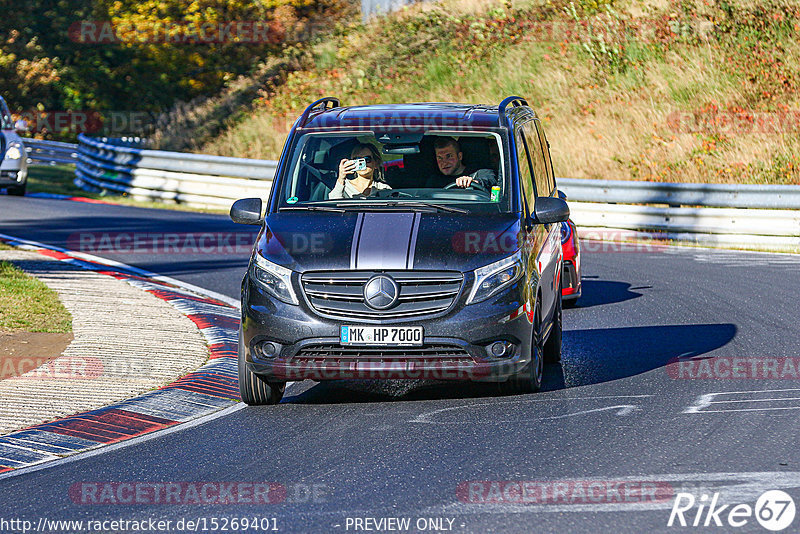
266 349
501 349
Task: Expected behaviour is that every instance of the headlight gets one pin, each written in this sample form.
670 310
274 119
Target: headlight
13 152
274 279
492 278
566 232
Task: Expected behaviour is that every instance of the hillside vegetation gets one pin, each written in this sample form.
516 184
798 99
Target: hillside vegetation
700 90
111 56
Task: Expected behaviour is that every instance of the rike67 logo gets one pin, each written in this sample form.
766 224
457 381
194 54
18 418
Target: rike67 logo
774 510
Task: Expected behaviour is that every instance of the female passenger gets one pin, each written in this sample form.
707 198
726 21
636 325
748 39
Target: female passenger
366 181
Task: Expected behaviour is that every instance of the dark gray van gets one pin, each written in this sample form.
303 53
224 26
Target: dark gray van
405 241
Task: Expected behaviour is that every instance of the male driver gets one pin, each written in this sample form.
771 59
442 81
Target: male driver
449 159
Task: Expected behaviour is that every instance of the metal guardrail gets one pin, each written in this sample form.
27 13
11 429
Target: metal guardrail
749 228
700 220
49 152
681 194
738 215
753 216
196 180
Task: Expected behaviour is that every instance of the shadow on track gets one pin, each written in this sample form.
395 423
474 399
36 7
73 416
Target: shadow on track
604 354
590 357
365 391
600 292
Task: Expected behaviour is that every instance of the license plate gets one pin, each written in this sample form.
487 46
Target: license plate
381 335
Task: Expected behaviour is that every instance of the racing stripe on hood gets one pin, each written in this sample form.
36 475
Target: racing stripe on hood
384 241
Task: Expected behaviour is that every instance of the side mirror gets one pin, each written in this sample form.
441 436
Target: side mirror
550 210
21 126
246 211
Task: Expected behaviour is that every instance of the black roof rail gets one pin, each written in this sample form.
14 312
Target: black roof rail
324 102
515 100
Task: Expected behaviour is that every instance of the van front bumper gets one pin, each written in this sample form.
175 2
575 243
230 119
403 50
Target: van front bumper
456 345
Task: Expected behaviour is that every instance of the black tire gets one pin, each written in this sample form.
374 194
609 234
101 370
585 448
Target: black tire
552 348
18 191
530 379
254 390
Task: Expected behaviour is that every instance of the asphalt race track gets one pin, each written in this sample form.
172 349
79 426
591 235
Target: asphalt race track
615 412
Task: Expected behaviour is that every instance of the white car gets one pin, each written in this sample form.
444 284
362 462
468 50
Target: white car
13 156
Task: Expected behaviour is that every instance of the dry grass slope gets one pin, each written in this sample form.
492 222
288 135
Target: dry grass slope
703 91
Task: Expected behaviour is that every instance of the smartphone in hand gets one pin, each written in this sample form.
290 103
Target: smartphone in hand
360 164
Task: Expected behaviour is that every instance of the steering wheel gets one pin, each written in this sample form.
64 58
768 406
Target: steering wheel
474 184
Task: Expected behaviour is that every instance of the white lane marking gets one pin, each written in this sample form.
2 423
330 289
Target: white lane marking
26 244
623 409
748 259
756 400
733 488
426 417
711 253
705 401
752 409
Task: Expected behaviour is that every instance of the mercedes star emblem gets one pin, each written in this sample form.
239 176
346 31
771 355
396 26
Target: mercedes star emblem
381 292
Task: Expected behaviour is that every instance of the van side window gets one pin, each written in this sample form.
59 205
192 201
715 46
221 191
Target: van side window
540 175
548 160
524 163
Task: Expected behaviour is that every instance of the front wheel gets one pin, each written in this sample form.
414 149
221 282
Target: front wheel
254 390
18 191
552 349
530 379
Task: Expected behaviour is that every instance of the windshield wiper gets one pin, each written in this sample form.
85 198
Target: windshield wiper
312 208
400 204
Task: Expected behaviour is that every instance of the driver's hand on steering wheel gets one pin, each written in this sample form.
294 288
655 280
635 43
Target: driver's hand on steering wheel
464 181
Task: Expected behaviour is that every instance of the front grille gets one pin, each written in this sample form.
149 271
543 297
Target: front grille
339 354
341 293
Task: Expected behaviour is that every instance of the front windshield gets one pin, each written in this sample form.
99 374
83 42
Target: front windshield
441 170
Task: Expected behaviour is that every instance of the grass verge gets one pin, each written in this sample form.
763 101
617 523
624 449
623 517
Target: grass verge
28 304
